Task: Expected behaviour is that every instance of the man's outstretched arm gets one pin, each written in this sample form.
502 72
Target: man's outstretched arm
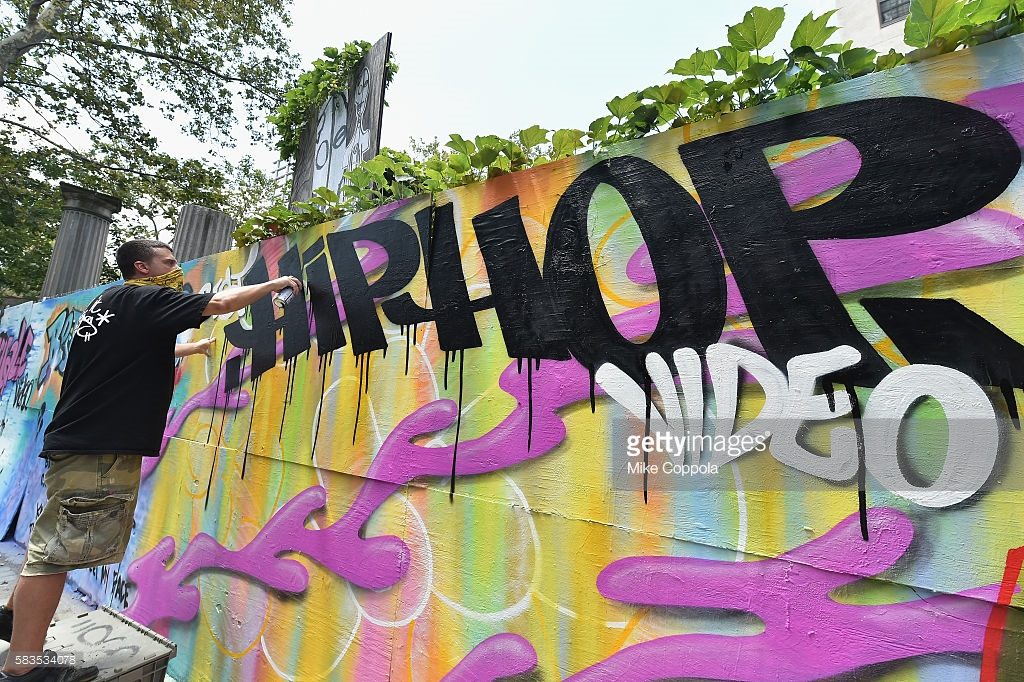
236 298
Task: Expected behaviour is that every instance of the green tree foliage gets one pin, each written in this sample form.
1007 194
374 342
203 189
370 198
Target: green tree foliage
29 215
77 78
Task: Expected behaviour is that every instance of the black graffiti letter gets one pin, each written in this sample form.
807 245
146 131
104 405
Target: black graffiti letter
261 337
329 334
357 295
924 163
529 324
687 264
452 308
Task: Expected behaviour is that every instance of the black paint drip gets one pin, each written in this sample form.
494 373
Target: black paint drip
862 494
366 385
227 391
252 416
289 389
363 364
209 483
829 390
458 426
238 394
216 450
408 345
320 408
216 390
647 425
359 397
1011 402
593 390
529 402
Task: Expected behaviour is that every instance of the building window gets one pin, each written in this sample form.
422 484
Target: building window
891 11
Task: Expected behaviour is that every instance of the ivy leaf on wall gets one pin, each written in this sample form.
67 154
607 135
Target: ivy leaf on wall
857 61
533 136
731 60
461 145
929 19
624 106
758 28
983 11
566 141
700 63
813 32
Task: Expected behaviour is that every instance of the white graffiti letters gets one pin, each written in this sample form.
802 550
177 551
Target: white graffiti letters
791 404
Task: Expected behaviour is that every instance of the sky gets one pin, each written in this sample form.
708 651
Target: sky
473 67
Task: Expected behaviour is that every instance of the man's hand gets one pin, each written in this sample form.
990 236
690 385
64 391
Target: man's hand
203 346
289 282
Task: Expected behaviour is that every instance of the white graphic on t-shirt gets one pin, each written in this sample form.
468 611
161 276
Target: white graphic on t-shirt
92 320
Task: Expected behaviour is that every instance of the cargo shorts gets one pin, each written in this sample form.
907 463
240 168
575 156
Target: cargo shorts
89 512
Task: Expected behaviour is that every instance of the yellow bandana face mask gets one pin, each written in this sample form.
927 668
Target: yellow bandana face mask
174 279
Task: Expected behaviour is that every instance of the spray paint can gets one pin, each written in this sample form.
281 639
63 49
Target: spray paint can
281 298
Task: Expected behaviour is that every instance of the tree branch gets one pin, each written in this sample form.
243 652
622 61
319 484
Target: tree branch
36 31
40 114
33 10
170 58
78 156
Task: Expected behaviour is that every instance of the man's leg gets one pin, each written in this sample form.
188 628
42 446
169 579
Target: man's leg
35 601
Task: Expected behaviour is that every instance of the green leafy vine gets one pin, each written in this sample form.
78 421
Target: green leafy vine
314 87
707 84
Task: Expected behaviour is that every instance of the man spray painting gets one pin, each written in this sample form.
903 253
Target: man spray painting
118 384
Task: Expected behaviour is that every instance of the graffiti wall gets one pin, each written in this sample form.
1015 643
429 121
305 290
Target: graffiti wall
738 401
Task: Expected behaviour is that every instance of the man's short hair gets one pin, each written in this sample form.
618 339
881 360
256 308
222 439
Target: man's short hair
136 250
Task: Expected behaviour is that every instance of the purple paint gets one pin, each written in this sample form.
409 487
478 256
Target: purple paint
984 238
163 594
818 172
807 635
502 655
14 350
1004 105
213 396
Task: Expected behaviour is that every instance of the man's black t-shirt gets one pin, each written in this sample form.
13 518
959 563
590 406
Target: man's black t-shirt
119 375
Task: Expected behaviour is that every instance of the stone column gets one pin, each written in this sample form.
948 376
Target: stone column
201 231
81 240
